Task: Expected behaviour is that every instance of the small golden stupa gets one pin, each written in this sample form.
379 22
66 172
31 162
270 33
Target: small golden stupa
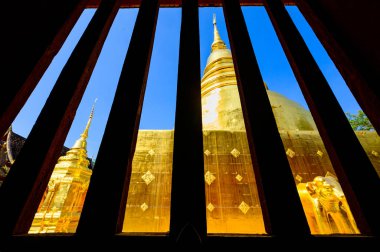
63 200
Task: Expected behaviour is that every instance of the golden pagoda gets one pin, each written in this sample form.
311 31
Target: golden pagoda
232 202
62 203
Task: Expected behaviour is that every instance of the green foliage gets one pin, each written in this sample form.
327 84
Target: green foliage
359 121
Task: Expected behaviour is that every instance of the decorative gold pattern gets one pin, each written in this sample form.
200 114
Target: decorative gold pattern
144 207
290 153
148 177
207 152
210 207
239 177
244 207
298 178
375 153
151 152
156 195
235 153
320 153
209 178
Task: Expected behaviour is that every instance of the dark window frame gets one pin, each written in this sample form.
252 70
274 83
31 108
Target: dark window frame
290 224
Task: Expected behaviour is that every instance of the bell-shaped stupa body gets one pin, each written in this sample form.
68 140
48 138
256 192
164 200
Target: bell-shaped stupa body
221 107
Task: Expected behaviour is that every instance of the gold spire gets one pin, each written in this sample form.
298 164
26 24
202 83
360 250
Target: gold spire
82 141
218 42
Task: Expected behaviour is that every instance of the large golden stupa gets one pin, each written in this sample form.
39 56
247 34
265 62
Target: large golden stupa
231 193
232 202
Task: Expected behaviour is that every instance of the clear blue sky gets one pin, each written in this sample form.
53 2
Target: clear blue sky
159 104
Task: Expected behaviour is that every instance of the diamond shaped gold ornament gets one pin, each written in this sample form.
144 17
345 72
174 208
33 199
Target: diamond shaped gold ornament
207 152
298 178
148 177
209 178
210 207
375 153
144 207
151 152
239 177
235 153
244 207
320 153
290 153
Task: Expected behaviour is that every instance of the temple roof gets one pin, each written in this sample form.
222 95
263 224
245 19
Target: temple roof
15 143
10 146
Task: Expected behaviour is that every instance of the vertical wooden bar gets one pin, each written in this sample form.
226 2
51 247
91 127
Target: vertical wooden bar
107 195
188 206
27 180
352 44
282 210
30 46
355 172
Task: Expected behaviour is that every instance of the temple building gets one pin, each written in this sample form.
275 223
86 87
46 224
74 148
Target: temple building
10 146
232 202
